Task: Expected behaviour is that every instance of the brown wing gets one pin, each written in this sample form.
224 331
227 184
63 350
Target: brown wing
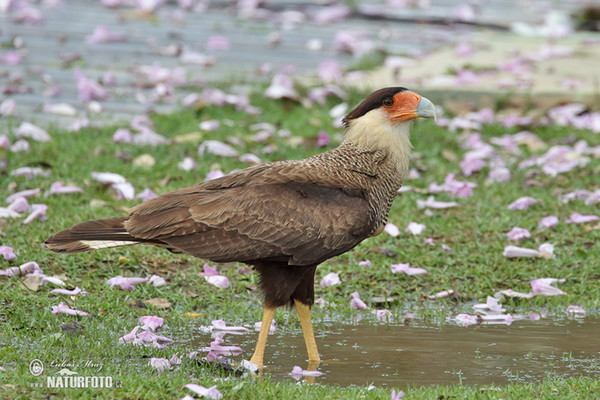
302 223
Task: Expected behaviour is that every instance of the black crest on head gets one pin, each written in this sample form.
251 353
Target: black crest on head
373 101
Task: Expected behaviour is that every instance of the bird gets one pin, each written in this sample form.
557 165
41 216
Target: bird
282 218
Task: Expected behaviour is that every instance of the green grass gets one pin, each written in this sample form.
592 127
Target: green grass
475 268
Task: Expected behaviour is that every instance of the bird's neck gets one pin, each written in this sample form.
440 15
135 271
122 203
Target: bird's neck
371 134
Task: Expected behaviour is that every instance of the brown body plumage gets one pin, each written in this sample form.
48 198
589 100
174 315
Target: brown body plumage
283 218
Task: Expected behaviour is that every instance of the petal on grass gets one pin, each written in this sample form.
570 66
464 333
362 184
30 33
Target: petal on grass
548 222
161 364
331 279
67 292
298 372
517 234
209 393
406 269
125 283
522 203
577 218
219 281
415 228
544 286
62 308
391 229
7 253
356 302
151 322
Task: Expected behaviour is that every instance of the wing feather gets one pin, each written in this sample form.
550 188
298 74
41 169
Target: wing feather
302 223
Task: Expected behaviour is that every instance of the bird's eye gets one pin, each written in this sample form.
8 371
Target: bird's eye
388 102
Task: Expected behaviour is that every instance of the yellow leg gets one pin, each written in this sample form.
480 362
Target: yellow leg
309 337
261 343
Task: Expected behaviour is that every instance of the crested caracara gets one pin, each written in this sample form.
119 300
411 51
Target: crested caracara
283 218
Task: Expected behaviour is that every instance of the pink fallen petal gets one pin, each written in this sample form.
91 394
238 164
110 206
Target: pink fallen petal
218 148
161 364
175 359
490 306
499 174
282 86
53 280
108 178
102 34
217 349
7 252
130 337
577 218
383 315
89 89
209 393
59 188
544 286
62 308
67 292
122 135
522 203
331 279
406 269
443 293
218 281
149 338
30 267
576 310
298 373
432 203
23 193
323 139
415 228
546 251
217 43
125 283
517 234
512 293
497 318
31 131
37 211
467 319
220 325
548 222
157 281
210 125
209 271
365 263
146 194
356 302
250 158
19 205
272 328
124 190
214 175
30 172
514 252
187 164
151 322
391 229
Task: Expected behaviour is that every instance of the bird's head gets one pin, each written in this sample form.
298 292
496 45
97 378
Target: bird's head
382 120
396 104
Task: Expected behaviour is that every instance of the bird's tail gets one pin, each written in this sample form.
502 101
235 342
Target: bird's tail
91 235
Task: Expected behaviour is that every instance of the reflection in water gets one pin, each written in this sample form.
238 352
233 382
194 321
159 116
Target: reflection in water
525 351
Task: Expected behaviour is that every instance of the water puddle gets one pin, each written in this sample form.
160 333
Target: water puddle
393 355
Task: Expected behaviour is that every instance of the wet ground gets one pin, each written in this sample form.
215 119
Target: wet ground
397 355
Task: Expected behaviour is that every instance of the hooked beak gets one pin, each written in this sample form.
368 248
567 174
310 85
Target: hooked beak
426 109
410 105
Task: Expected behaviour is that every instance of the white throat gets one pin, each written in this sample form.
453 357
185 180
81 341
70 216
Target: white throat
373 131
